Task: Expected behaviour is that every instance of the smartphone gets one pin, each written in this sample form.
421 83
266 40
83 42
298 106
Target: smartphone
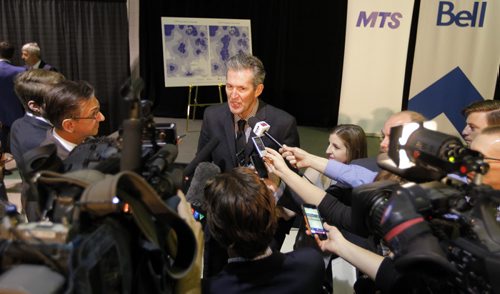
197 215
313 221
259 145
259 166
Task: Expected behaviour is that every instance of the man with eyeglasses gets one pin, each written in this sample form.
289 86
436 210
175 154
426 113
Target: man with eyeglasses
74 111
488 143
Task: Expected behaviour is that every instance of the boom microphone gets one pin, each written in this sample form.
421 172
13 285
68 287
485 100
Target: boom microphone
203 155
260 128
204 172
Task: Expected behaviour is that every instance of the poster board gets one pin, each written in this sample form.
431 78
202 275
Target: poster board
195 49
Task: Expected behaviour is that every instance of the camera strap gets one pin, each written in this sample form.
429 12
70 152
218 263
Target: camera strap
161 225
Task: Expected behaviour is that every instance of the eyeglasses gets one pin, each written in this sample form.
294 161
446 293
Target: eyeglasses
92 116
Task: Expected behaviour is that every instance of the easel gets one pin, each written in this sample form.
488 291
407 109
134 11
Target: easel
194 102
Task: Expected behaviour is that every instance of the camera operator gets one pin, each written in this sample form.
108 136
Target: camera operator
488 143
74 111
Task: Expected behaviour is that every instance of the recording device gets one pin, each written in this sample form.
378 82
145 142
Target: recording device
259 166
259 146
260 128
95 223
447 229
313 221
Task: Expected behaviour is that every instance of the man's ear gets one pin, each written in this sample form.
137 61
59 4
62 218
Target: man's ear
258 91
34 107
68 125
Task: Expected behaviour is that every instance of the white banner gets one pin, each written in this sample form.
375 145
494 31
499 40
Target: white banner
376 46
456 61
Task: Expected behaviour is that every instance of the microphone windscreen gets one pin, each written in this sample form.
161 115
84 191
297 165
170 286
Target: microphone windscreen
205 154
204 171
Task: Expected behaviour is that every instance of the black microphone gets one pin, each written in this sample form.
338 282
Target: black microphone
204 171
205 154
163 158
260 128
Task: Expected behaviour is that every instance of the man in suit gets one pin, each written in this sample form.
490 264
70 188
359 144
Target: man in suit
244 84
228 123
75 113
242 217
30 131
32 57
10 107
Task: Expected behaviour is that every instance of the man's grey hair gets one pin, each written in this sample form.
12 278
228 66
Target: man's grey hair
243 61
32 48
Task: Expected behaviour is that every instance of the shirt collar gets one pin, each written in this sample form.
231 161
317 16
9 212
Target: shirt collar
38 117
67 144
37 65
267 253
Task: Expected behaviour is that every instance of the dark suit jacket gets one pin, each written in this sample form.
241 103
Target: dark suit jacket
10 106
47 66
26 133
218 123
300 271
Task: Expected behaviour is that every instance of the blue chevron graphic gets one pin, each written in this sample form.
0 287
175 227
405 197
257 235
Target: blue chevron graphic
449 95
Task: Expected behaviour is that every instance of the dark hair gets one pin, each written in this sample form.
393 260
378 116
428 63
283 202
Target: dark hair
241 212
34 84
354 139
64 100
6 50
243 61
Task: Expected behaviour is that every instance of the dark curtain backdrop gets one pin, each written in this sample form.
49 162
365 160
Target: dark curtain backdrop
301 44
84 40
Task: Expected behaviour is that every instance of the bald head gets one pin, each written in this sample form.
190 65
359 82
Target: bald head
395 120
488 143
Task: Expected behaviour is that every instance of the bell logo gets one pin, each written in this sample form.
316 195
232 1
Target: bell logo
391 19
446 15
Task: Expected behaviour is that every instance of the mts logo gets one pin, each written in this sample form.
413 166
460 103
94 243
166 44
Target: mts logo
391 19
465 18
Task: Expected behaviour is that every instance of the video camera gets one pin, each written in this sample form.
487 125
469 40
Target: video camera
436 223
108 214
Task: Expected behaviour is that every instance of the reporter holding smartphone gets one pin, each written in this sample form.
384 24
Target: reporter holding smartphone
378 268
333 210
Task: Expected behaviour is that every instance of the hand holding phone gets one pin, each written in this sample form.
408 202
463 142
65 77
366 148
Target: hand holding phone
313 221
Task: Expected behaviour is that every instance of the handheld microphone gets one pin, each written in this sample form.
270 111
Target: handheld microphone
204 171
260 128
203 155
